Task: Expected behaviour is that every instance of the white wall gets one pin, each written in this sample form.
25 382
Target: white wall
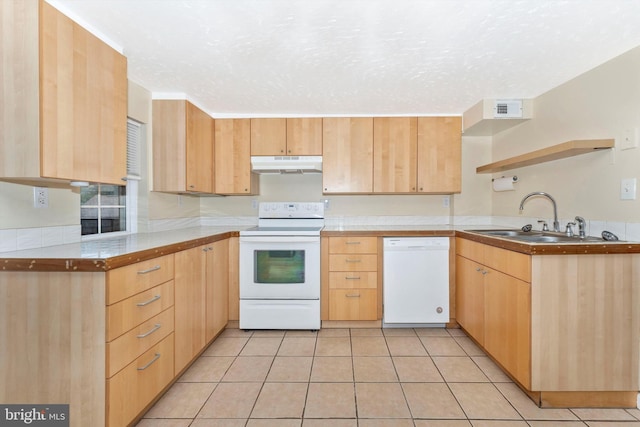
601 103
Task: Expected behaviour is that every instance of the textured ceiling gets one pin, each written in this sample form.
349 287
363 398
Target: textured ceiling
264 58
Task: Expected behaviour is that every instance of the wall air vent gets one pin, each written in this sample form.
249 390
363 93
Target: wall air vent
507 108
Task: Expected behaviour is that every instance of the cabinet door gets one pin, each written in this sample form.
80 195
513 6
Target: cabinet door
304 137
189 305
507 335
199 148
470 297
394 154
83 99
217 288
347 155
233 157
439 154
268 137
169 145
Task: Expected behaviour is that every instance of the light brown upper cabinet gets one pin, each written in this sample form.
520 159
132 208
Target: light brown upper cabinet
182 147
63 97
304 137
347 160
286 137
268 137
439 154
233 157
395 142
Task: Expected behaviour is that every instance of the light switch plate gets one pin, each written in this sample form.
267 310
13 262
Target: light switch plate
628 189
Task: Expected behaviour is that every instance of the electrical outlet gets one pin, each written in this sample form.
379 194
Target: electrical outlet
327 205
40 197
446 201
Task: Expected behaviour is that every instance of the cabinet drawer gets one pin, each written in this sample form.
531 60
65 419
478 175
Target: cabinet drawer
127 314
353 262
124 349
353 245
509 262
470 249
353 304
348 280
133 388
127 281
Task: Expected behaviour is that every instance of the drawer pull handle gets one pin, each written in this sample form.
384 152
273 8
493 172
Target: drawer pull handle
156 357
353 243
149 270
353 260
152 330
352 278
142 304
353 295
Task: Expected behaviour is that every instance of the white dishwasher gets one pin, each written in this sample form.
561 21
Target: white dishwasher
415 281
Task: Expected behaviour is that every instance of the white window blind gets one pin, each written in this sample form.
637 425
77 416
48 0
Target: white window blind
133 149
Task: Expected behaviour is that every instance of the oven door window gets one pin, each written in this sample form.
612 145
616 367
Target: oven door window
276 266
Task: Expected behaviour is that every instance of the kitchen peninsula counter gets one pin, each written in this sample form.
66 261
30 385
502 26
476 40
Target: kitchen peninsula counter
107 254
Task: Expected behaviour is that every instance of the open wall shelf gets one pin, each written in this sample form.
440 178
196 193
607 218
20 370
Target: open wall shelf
560 151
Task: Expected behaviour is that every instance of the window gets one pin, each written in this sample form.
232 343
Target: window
103 209
107 208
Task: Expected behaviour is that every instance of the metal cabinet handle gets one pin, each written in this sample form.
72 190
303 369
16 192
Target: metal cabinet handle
353 260
353 295
152 330
479 269
156 357
142 304
154 268
352 278
353 243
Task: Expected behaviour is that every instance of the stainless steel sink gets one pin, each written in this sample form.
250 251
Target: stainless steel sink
538 236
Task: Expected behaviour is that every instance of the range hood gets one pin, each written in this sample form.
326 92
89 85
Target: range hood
286 164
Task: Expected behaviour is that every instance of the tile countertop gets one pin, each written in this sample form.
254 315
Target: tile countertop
391 230
106 254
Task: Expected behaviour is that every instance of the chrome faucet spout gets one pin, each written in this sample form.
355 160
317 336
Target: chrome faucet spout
556 224
581 227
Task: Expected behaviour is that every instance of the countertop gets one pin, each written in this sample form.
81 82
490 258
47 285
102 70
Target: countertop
106 254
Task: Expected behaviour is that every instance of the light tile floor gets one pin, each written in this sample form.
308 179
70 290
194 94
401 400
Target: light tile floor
356 378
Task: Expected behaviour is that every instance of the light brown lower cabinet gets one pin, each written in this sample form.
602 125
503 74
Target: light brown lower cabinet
352 273
565 327
190 304
107 343
131 389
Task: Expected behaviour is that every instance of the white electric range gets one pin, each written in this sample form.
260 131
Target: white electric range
280 267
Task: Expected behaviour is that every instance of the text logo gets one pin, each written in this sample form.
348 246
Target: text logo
34 415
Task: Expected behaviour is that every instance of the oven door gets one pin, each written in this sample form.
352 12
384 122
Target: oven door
279 267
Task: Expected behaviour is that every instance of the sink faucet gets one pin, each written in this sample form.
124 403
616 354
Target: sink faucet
581 228
556 224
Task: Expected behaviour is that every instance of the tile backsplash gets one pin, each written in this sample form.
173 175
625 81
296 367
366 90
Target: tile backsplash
31 238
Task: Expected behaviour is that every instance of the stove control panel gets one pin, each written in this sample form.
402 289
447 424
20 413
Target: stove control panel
291 210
